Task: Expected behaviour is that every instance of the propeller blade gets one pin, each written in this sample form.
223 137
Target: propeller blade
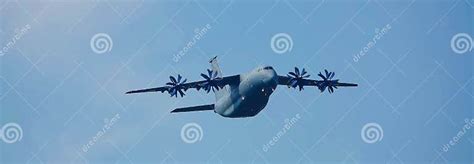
173 92
179 78
303 72
332 75
321 75
173 79
205 76
181 93
293 74
331 90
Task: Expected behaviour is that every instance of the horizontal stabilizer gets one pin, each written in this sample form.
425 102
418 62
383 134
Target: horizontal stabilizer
194 108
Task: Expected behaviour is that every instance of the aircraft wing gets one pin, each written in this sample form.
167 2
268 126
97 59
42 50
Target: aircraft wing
284 80
178 86
301 78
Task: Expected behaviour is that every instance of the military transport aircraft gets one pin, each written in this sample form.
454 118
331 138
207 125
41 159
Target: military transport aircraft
243 95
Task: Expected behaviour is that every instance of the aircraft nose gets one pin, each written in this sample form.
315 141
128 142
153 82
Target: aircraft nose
271 75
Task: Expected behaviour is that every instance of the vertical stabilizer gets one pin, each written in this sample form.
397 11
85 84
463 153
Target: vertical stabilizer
215 68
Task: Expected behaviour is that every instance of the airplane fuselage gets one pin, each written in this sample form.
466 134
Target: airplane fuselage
250 96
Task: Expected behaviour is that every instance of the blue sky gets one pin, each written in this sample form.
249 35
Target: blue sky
412 83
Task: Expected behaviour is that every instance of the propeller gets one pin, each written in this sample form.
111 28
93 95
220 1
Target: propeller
296 78
176 86
327 81
211 81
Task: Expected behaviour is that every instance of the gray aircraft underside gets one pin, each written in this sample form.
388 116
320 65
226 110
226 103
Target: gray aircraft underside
243 95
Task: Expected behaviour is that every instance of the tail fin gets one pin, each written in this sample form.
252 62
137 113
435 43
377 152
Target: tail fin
215 68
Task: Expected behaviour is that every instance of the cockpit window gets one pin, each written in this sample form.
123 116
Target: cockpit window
268 67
